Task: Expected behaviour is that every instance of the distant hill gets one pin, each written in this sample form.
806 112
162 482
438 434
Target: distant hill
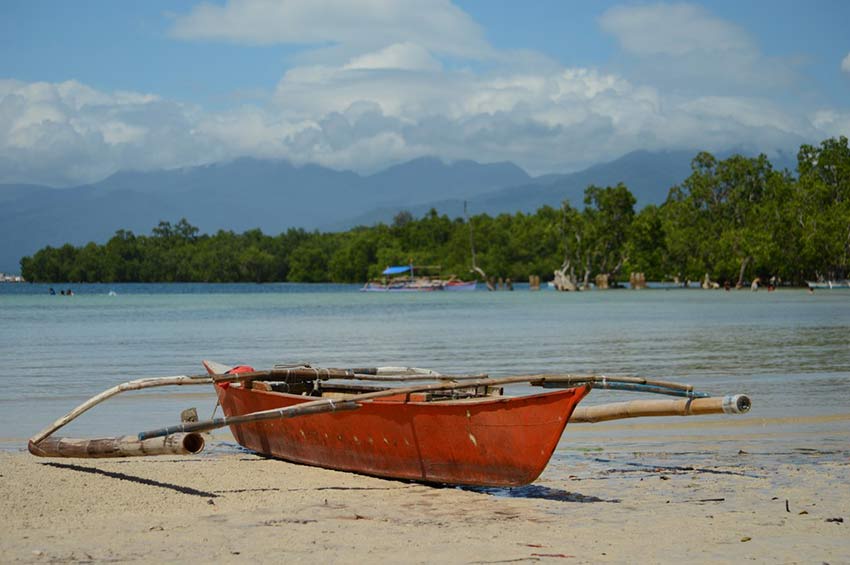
274 195
648 175
239 195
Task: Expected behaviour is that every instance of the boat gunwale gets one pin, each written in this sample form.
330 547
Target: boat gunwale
391 400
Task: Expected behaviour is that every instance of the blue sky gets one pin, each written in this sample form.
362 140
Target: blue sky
91 87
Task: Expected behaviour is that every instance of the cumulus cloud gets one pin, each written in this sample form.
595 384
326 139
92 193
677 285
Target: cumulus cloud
845 64
364 119
68 133
389 93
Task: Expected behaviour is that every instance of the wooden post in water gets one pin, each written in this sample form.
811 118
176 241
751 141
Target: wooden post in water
637 280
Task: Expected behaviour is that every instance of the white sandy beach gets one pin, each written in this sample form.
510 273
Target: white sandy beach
237 507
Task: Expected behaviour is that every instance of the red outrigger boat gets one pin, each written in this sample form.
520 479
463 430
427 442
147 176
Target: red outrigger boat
460 430
485 440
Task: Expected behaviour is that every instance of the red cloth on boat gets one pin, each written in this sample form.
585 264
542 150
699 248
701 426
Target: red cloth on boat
235 371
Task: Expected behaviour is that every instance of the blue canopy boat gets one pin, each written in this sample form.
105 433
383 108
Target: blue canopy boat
411 283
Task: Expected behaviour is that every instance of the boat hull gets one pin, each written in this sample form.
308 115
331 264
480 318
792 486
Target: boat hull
460 286
375 287
491 441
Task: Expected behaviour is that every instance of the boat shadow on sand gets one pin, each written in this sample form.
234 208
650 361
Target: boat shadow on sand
539 492
528 491
132 478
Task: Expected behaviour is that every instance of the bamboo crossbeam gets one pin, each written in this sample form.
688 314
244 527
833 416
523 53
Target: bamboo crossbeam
411 378
632 387
545 380
737 404
125 446
363 374
552 381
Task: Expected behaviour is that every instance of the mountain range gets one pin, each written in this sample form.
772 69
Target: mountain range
274 195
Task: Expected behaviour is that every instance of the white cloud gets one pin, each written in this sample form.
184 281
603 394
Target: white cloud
833 123
69 133
752 113
672 29
684 47
360 27
384 92
399 56
362 119
845 64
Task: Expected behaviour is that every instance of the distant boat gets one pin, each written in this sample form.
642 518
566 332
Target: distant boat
828 284
460 285
404 286
412 283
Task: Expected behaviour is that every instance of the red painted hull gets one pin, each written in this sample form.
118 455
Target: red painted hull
492 441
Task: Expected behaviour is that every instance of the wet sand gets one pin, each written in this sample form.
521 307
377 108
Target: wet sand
618 506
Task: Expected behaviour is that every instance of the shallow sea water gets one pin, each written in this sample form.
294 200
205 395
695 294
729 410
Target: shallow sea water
789 350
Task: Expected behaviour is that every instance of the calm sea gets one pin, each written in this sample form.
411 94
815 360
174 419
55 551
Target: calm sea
787 349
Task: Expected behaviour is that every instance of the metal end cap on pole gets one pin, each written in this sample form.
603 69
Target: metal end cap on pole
736 404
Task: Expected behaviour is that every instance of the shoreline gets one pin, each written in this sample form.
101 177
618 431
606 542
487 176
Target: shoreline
608 505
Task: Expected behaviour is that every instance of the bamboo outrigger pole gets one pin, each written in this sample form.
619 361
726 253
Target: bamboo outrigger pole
43 445
733 404
181 439
137 384
375 373
330 405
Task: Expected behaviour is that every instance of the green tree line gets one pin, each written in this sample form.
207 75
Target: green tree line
732 219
